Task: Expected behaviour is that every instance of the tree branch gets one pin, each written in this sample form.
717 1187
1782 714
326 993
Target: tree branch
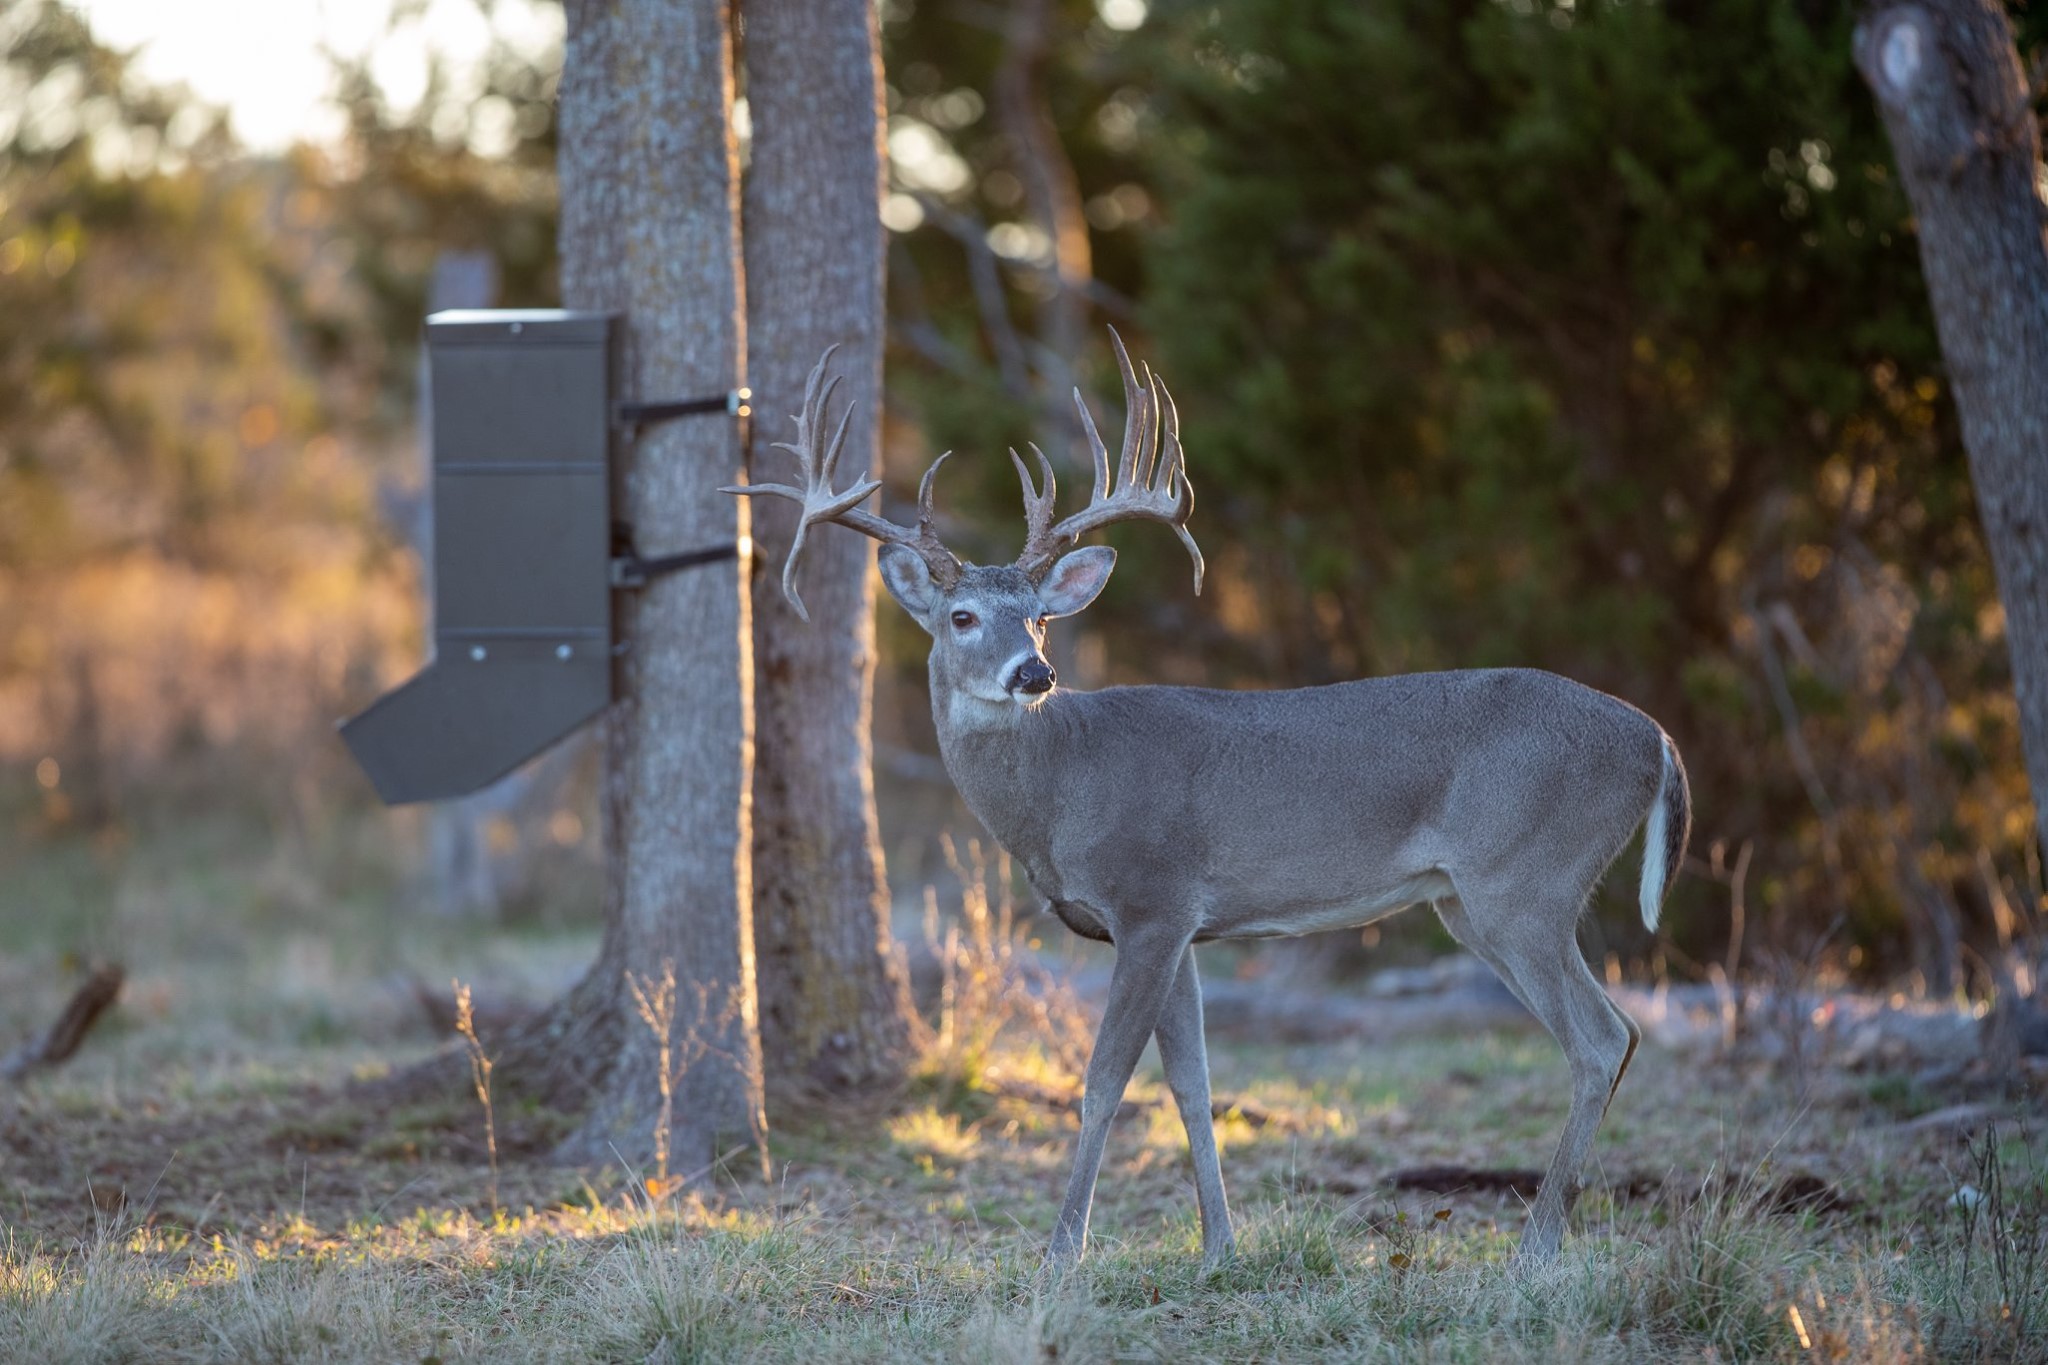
63 1037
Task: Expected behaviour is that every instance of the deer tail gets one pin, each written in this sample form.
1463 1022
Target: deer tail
1665 831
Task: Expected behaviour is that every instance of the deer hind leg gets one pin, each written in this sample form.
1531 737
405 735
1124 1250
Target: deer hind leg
1635 1038
1451 911
1535 949
1184 1054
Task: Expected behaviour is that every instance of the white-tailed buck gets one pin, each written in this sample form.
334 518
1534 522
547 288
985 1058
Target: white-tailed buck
1156 818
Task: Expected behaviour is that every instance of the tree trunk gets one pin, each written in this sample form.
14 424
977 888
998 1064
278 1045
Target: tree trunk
835 1003
649 184
1955 104
1023 110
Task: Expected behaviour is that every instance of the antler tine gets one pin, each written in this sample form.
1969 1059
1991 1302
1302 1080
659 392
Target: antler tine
1100 451
829 464
1137 416
924 498
1173 464
1149 453
1151 482
1039 502
817 459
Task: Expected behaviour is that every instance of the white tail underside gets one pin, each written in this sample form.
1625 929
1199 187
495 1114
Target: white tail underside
1654 832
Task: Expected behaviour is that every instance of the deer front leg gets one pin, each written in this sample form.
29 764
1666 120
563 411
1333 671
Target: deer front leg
1184 1052
1146 966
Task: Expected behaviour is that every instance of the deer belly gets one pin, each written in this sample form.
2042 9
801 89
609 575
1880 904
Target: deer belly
1080 919
1308 916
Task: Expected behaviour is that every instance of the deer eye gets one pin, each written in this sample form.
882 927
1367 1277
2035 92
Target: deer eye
964 620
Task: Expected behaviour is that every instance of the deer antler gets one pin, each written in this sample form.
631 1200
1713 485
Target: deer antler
818 459
1151 482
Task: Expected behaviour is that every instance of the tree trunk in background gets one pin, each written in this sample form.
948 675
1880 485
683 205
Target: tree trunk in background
835 1004
649 185
1023 109
1955 104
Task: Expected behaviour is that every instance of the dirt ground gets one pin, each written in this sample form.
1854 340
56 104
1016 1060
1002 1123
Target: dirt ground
210 1178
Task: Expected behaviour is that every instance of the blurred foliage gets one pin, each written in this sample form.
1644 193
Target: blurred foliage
469 167
144 402
1587 336
182 564
960 172
1595 339
206 380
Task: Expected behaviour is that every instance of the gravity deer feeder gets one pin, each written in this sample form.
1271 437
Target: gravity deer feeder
525 554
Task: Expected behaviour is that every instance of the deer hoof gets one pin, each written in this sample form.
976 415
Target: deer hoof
1063 1254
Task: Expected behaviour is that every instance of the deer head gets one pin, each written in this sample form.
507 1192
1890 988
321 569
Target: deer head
987 622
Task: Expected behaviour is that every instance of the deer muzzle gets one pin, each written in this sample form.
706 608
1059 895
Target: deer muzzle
1034 677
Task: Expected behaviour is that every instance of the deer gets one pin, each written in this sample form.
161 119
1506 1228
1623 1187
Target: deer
1156 818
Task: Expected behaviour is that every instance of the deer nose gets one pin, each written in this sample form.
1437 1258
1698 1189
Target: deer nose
1033 676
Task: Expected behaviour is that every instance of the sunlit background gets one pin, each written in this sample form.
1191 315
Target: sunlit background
1582 336
271 66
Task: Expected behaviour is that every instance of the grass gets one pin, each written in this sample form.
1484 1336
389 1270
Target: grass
198 1185
619 1282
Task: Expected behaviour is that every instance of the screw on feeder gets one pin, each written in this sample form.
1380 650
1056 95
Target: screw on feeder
479 653
564 652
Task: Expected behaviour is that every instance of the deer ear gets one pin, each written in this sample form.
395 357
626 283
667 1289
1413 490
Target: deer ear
1075 579
908 580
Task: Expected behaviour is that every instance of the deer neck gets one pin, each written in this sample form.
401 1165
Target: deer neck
1005 761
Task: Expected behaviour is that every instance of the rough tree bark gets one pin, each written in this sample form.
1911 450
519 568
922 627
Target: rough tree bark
1956 106
649 185
835 1008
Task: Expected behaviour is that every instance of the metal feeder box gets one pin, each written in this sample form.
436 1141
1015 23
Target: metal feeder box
521 432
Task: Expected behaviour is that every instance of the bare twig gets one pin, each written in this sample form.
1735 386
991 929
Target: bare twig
655 999
1068 1100
1725 974
1792 724
982 273
987 981
929 342
656 1002
1051 188
910 317
480 1076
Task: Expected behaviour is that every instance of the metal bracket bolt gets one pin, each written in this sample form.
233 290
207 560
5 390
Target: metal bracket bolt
733 403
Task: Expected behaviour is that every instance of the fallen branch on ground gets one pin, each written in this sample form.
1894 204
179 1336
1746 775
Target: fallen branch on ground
1054 1097
84 1009
1796 1193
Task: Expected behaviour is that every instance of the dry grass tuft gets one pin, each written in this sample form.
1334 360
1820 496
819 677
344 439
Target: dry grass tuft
992 986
